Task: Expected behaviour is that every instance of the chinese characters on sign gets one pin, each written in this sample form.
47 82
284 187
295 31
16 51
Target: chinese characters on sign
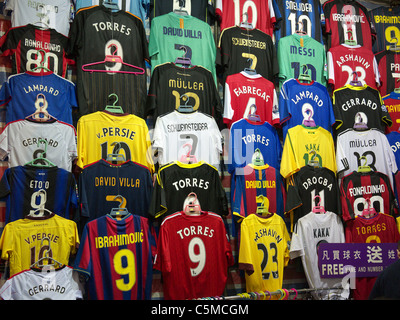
335 260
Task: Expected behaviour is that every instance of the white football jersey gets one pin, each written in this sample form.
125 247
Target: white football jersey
43 284
20 142
312 230
177 134
372 144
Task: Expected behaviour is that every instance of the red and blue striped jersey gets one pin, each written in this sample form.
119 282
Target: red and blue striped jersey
116 256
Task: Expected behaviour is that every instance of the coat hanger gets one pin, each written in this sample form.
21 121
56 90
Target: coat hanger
300 30
309 122
245 23
249 70
397 89
40 211
318 208
350 39
191 205
41 114
115 156
188 157
359 124
113 58
252 116
305 76
46 256
180 10
393 46
41 161
257 158
41 65
114 108
313 162
355 82
185 108
121 210
364 167
369 211
110 5
263 208
184 61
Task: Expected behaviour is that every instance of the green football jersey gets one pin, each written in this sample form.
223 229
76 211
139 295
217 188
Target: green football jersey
298 54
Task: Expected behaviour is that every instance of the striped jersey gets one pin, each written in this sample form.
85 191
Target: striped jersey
116 257
28 188
357 187
194 251
392 104
23 44
24 241
389 70
393 138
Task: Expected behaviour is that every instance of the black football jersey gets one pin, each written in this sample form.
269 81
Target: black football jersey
97 33
350 102
389 69
241 48
172 85
304 185
176 180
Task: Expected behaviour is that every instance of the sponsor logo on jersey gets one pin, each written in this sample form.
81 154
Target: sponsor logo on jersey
185 33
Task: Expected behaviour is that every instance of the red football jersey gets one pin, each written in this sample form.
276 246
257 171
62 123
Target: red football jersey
343 60
242 91
389 70
193 251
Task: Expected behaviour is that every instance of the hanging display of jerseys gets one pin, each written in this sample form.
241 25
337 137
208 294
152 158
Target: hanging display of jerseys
302 144
42 284
263 252
172 86
101 182
392 104
299 15
111 51
116 258
258 180
358 187
247 94
26 93
173 35
240 48
301 54
386 23
22 141
260 14
31 46
347 20
305 185
389 70
53 14
176 180
194 251
102 133
353 102
393 138
352 145
312 230
30 189
300 102
380 228
344 60
24 241
185 136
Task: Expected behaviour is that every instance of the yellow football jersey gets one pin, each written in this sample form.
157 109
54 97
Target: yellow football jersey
102 133
25 241
263 252
300 142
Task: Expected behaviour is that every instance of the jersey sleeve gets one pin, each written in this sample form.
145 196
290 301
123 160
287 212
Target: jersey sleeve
81 143
293 199
4 151
83 261
152 95
289 163
296 244
71 139
342 163
7 290
246 251
228 110
163 256
159 139
284 105
6 242
158 203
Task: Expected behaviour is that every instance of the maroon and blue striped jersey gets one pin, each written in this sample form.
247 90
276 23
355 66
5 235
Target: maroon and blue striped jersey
116 256
389 68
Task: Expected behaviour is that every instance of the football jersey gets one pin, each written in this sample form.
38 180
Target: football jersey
20 95
393 138
115 256
343 16
101 181
28 188
172 86
102 133
259 13
372 144
298 54
305 185
176 180
343 60
296 97
92 40
379 229
38 284
171 33
263 252
350 102
240 48
23 45
357 187
386 23
392 104
24 241
258 180
242 91
194 251
20 142
177 135
307 12
300 141
312 230
389 69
